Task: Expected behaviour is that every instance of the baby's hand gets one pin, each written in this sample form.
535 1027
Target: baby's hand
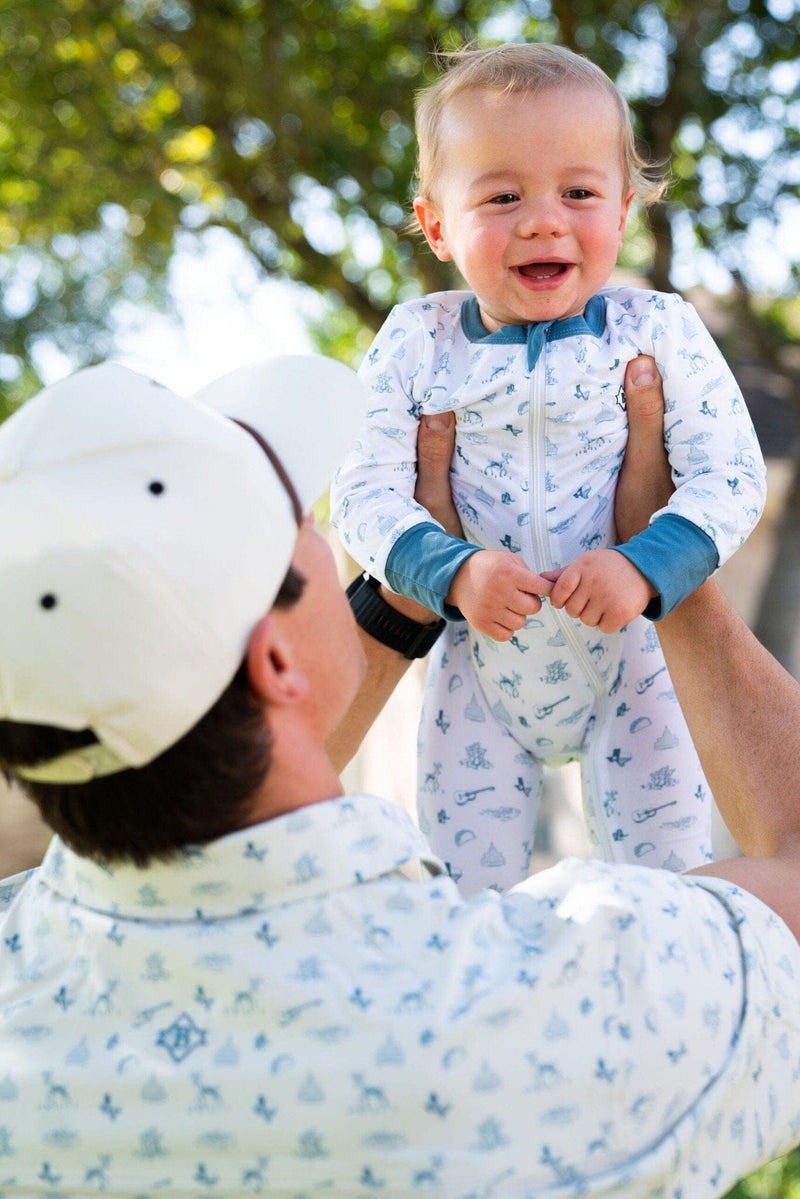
497 592
602 589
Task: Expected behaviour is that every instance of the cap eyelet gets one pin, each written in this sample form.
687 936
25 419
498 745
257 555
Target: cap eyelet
48 601
156 487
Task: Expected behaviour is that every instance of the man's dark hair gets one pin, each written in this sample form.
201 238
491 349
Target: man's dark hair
200 788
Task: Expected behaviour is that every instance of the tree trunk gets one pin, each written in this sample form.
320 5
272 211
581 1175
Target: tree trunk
777 625
662 248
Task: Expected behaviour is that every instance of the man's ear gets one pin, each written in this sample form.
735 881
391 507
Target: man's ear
272 672
430 222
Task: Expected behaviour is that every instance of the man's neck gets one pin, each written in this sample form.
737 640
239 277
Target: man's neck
301 773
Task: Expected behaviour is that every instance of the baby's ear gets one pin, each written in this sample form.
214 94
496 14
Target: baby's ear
627 200
430 222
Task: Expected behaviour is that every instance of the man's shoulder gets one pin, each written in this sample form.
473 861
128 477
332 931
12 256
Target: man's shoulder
11 887
11 890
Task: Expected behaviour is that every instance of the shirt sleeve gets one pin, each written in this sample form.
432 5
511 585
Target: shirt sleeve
757 1096
675 556
701 978
717 465
422 563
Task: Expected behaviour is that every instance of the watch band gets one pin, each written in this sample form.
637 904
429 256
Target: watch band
383 622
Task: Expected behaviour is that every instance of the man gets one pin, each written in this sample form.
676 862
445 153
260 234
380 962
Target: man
239 980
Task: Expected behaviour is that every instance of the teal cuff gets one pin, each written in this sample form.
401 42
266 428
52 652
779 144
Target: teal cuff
422 563
675 556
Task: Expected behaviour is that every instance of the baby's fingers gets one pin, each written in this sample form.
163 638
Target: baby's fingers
564 589
542 585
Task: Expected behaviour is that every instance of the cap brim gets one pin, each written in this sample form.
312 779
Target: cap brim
306 406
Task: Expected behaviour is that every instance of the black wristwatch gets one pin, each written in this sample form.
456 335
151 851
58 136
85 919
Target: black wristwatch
383 622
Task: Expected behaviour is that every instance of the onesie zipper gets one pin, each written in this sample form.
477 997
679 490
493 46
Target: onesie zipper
540 544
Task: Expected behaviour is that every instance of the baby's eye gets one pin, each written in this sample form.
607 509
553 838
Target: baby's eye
579 193
504 198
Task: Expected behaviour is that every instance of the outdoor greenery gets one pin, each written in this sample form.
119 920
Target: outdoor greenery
133 129
779 1180
129 129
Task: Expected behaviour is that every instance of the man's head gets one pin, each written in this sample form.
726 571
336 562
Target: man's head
143 537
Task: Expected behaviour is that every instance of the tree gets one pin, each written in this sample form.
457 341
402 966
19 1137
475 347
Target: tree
285 123
129 125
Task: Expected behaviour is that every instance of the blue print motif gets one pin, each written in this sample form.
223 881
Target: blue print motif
540 434
587 1028
181 1038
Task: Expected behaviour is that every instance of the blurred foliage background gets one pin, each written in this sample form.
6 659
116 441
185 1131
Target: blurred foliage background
133 130
128 127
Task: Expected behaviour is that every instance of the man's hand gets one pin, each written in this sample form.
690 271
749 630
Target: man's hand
436 442
602 589
497 593
645 483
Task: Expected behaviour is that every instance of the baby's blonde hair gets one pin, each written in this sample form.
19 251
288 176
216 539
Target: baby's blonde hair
518 68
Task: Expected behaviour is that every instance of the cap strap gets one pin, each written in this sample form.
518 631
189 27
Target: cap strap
278 467
77 766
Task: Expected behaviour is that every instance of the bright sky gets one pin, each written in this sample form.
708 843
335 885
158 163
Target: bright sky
223 318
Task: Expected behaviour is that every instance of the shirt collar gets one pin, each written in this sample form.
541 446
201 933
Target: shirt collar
310 852
592 321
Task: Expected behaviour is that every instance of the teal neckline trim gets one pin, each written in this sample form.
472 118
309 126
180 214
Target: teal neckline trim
593 321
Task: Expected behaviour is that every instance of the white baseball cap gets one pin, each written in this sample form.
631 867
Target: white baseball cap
144 534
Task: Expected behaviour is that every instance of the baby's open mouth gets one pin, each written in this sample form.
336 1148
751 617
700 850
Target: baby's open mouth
542 270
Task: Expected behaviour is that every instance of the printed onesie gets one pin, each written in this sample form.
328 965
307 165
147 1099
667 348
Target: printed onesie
541 430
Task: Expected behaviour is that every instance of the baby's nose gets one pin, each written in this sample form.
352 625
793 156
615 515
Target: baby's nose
539 218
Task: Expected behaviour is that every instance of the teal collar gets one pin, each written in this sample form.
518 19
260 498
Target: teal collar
593 321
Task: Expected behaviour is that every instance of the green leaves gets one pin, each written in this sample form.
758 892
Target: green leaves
290 124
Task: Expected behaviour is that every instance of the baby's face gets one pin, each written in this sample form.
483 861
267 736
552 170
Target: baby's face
531 200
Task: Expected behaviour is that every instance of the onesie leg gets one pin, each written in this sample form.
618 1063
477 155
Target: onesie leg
478 789
645 795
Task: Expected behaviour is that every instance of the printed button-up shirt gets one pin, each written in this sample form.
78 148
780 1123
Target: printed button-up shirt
304 1008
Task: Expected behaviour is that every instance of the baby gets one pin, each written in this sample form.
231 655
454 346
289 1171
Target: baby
527 170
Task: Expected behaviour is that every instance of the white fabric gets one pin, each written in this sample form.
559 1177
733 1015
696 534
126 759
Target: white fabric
285 1012
538 452
537 457
142 536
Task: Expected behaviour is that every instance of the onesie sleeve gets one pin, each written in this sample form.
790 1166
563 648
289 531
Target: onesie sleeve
422 563
716 461
372 495
675 556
